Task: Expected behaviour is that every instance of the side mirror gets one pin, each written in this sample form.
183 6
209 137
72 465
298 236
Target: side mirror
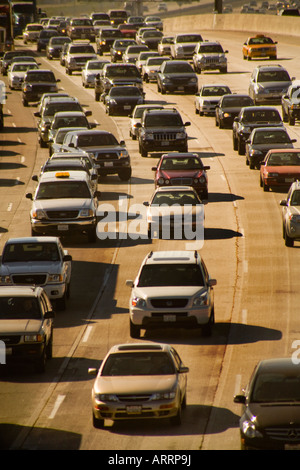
129 283
122 143
187 124
240 399
146 203
88 113
92 371
183 370
206 167
154 168
283 202
58 80
35 178
212 282
67 258
29 196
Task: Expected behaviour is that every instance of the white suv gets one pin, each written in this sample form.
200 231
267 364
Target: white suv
172 289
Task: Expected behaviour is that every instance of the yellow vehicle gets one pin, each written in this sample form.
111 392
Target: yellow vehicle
259 46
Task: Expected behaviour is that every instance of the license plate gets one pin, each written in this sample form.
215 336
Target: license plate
108 164
165 143
127 106
83 36
133 409
180 88
63 228
170 318
289 180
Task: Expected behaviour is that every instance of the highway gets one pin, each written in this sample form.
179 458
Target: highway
257 297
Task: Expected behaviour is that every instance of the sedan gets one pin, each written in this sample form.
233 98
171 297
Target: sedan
138 381
271 412
16 73
208 97
262 140
122 99
132 52
119 47
229 107
176 75
280 168
172 209
186 169
89 72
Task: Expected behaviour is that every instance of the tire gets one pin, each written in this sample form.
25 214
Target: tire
288 240
265 187
135 331
40 365
49 348
234 142
25 103
291 120
98 423
240 148
284 116
143 152
125 175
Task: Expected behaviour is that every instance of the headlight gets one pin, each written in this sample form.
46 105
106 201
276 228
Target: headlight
163 396
295 218
27 87
202 299
39 214
148 135
55 278
5 280
33 338
248 428
138 302
254 152
123 154
180 135
105 397
86 213
193 80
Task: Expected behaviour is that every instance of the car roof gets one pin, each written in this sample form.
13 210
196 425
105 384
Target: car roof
20 291
69 113
172 257
293 150
269 128
37 239
90 131
63 162
284 365
163 110
163 189
180 155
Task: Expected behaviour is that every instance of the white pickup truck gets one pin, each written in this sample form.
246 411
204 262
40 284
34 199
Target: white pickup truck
37 261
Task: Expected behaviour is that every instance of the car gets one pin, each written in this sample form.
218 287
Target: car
172 289
290 104
176 75
56 137
175 211
249 118
128 30
77 55
151 39
89 72
141 30
39 261
26 326
162 129
178 169
259 46
268 83
36 83
142 58
262 140
117 74
137 21
131 53
280 168
9 57
136 115
96 16
47 114
31 32
44 37
208 97
138 381
274 385
106 38
118 48
64 204
117 16
164 46
183 45
111 157
210 55
122 99
46 96
55 46
154 21
69 119
81 28
151 67
291 215
16 73
229 107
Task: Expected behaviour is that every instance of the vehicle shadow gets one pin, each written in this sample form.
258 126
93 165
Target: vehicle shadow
9 182
220 233
224 197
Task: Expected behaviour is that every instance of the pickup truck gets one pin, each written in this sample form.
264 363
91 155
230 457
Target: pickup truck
38 261
26 326
290 104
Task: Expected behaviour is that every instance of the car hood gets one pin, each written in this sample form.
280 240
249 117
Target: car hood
275 414
134 384
19 326
63 204
167 291
125 80
29 267
102 149
18 74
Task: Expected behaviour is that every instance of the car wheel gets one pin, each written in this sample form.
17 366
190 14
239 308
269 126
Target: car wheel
49 348
284 116
125 174
291 120
135 331
40 365
98 423
143 152
240 148
251 165
25 103
235 145
288 240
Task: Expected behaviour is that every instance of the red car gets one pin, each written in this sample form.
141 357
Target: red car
280 168
182 169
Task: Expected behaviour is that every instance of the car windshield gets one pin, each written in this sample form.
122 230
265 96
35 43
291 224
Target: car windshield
276 387
125 91
24 67
215 91
152 34
59 40
211 48
40 77
189 38
160 275
75 121
121 71
63 190
180 198
260 40
269 137
178 68
19 308
262 116
156 60
284 159
238 102
295 200
273 76
96 140
189 163
24 252
138 363
53 108
82 50
82 22
163 120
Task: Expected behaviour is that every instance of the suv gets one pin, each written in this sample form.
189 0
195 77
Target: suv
184 45
268 83
77 55
117 74
64 203
172 289
249 118
110 156
209 55
36 83
161 130
26 325
176 75
40 261
81 28
291 215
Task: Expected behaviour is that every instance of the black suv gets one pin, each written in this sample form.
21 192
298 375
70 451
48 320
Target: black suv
36 83
162 130
249 118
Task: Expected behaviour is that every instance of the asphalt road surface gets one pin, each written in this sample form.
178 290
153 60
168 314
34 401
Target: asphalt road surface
257 297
